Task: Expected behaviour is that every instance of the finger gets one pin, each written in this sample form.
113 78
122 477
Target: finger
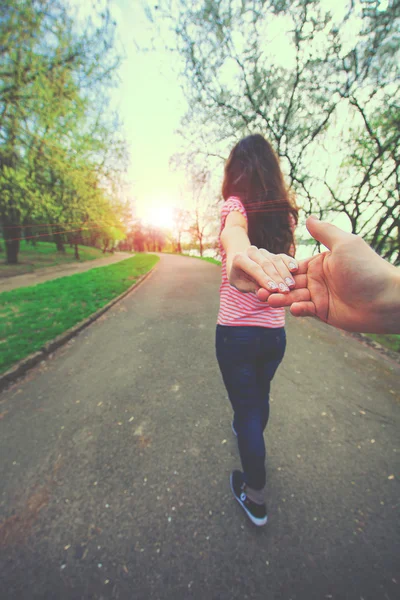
326 233
303 265
280 300
263 294
281 262
301 281
255 274
303 309
291 263
267 263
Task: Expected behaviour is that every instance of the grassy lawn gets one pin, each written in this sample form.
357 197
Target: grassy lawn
44 254
391 341
214 261
32 316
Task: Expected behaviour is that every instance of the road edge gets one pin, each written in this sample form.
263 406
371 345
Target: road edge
24 365
367 341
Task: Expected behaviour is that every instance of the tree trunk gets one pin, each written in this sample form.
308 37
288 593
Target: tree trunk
12 232
94 236
12 246
76 252
59 242
28 234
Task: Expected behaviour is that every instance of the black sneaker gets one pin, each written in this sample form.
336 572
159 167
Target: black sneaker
257 513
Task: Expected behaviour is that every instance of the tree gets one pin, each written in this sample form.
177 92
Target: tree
368 191
236 83
203 215
55 151
321 86
198 230
367 188
181 222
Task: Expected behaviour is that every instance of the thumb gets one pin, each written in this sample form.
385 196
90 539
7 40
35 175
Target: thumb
326 233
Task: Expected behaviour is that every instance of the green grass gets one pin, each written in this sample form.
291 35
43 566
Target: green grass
44 254
32 316
214 261
391 341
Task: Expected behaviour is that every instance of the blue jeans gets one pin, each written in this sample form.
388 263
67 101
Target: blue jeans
248 358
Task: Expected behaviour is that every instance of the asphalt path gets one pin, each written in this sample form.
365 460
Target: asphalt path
48 273
116 454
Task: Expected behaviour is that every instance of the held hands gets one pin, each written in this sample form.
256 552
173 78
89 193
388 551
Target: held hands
257 268
349 287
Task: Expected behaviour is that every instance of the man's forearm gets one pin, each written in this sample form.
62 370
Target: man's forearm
388 308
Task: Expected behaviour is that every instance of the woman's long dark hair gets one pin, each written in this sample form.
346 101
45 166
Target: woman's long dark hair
253 174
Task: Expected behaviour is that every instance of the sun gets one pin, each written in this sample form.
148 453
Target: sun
160 215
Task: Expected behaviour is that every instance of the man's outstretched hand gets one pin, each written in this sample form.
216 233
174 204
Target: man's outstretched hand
349 286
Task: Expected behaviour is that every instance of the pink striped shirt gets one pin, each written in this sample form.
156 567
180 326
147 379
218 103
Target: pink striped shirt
236 308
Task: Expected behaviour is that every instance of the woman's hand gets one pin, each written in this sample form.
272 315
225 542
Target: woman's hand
249 268
256 268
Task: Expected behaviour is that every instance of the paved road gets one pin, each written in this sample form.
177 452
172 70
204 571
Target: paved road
47 273
116 455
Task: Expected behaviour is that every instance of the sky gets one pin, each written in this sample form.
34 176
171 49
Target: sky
151 105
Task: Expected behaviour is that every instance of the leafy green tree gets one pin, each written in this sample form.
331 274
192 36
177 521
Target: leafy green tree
58 152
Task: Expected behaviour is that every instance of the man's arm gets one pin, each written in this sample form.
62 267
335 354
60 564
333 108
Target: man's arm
349 287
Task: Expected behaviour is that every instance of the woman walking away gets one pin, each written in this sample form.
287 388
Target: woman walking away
258 218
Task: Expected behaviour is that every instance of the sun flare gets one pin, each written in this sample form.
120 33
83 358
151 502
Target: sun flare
160 215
